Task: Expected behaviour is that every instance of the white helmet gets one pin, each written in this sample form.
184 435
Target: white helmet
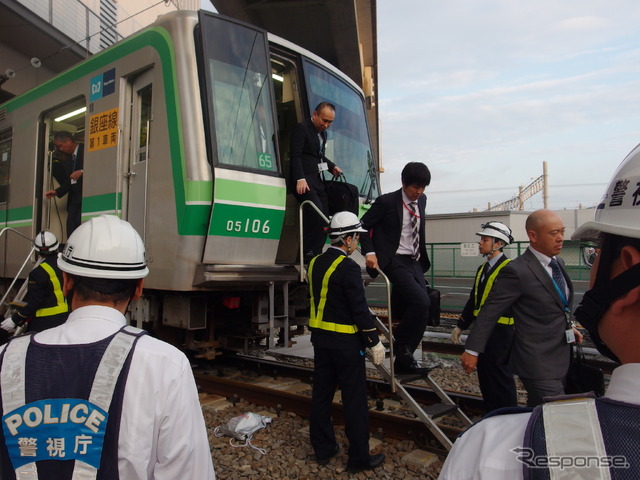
46 242
104 247
496 230
343 223
618 213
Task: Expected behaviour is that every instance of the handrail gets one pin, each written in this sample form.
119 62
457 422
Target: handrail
390 327
24 264
9 229
323 216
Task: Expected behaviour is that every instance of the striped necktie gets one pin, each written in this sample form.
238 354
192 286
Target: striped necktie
556 273
415 233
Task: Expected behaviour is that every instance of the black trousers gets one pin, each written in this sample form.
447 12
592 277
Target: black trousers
74 212
313 233
347 369
409 300
496 380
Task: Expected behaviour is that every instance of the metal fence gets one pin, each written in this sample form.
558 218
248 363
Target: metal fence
447 260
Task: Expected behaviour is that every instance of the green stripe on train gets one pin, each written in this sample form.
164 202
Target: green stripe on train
109 202
243 192
246 222
191 219
17 217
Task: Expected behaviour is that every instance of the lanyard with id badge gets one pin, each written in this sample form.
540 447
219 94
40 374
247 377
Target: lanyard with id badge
569 334
322 166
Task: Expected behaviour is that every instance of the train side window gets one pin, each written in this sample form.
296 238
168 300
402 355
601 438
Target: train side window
5 164
144 109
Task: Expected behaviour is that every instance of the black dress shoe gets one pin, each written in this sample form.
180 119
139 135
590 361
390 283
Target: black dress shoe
324 461
374 461
403 367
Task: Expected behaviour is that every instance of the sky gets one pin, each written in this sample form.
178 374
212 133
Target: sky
484 91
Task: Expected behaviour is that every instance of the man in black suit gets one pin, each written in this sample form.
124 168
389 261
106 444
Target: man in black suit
65 142
539 293
396 245
308 162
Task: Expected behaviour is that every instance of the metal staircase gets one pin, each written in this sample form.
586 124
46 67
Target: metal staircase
428 415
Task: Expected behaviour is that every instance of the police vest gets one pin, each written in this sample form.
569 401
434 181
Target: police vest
487 288
318 304
57 423
582 437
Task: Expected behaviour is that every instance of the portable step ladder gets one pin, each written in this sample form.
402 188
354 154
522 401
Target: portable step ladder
428 415
12 305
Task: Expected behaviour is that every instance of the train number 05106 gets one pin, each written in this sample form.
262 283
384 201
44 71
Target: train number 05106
249 226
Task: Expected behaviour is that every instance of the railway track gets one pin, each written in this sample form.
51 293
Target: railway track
287 387
284 382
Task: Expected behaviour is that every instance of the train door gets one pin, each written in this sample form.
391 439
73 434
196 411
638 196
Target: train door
284 73
139 128
58 164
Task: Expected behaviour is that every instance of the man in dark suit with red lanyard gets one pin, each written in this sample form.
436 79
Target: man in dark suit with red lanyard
396 244
308 162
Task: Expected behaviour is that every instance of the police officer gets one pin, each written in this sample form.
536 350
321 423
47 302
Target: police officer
341 329
94 398
494 375
581 436
44 304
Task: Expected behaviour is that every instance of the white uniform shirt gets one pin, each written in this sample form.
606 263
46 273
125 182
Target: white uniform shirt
162 430
484 452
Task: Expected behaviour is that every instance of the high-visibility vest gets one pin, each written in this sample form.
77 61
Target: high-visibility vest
487 288
61 305
317 308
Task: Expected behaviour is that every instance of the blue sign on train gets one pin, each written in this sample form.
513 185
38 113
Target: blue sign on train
103 85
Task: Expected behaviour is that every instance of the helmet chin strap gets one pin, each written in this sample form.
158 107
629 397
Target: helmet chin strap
597 301
494 249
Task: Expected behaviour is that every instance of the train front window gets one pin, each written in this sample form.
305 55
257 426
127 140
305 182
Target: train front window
348 143
239 92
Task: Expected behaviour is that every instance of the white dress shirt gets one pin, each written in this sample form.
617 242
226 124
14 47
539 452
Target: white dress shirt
484 452
406 235
162 431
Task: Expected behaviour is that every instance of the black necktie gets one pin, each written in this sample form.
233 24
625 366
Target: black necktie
415 233
485 272
556 273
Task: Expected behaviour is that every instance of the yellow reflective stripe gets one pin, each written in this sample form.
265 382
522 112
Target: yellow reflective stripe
505 320
487 289
62 306
316 314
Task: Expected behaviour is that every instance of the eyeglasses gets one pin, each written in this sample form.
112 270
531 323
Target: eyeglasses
590 252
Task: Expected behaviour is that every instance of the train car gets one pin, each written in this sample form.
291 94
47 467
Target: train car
186 130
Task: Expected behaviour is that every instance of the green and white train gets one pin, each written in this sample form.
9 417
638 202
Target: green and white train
186 135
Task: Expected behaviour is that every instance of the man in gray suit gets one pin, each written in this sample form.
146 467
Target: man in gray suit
541 304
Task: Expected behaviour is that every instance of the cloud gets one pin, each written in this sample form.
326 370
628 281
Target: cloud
485 91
